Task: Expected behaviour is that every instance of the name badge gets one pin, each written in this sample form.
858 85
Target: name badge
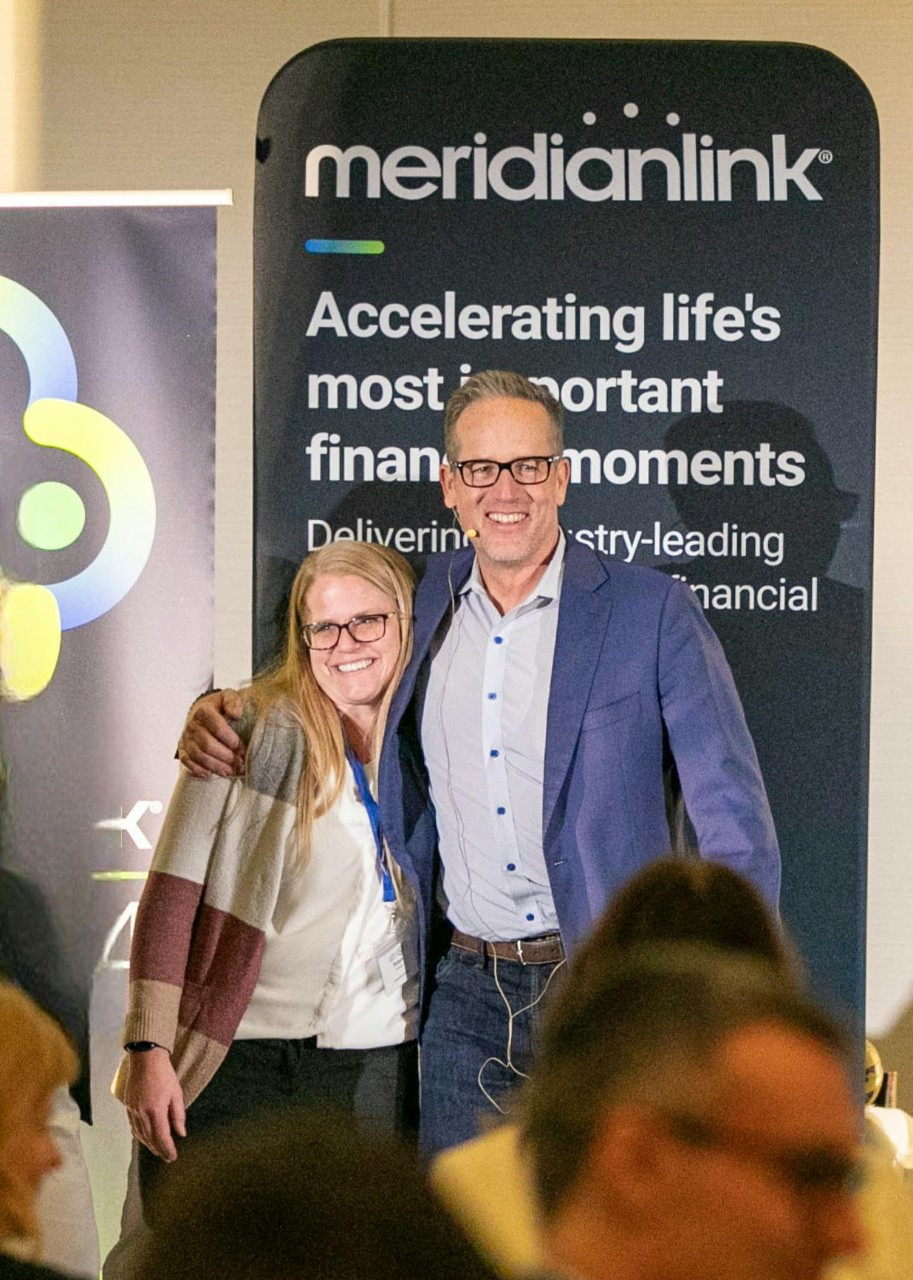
391 960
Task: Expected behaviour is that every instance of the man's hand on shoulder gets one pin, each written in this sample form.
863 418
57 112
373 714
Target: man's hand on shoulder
208 743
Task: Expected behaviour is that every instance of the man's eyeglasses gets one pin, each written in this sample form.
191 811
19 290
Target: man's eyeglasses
481 473
362 628
805 1171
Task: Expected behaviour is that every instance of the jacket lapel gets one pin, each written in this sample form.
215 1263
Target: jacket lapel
583 617
432 600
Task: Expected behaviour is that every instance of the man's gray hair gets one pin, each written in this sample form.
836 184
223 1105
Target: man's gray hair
644 1029
492 384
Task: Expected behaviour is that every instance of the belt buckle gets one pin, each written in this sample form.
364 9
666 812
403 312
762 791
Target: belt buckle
520 951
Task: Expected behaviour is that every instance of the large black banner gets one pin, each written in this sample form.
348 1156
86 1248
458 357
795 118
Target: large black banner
679 238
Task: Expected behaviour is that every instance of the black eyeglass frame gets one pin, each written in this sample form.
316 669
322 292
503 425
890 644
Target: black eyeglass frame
309 629
548 459
805 1172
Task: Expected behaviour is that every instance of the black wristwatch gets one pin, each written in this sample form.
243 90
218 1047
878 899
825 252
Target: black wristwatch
142 1046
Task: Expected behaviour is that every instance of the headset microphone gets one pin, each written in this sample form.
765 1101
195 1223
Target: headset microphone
469 533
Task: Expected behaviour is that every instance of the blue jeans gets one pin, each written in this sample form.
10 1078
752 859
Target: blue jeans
473 1055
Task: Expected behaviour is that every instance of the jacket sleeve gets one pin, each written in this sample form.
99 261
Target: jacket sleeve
169 906
712 747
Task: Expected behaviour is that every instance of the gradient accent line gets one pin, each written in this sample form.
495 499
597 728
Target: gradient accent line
344 246
117 876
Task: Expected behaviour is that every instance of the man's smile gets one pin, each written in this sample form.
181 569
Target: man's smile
506 517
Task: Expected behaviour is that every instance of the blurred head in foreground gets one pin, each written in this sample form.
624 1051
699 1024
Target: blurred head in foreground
679 899
35 1059
691 1116
303 1194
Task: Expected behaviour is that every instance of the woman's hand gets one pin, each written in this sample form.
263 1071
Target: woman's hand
154 1102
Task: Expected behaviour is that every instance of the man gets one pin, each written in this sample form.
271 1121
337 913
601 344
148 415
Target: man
548 694
691 1116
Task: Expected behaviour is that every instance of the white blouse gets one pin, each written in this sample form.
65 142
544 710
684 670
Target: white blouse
339 962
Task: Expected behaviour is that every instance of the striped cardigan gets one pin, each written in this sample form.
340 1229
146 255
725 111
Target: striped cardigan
199 934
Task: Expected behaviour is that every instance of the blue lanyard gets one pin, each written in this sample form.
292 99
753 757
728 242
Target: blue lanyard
367 799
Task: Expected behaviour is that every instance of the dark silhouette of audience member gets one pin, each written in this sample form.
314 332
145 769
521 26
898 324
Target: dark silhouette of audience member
674 901
304 1195
686 899
690 1115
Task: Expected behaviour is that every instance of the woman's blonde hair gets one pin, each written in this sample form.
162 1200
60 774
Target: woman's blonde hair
290 684
35 1059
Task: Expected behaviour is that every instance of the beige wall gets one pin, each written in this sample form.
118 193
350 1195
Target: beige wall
166 95
19 92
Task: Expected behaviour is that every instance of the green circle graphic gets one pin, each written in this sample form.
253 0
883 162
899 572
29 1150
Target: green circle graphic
51 516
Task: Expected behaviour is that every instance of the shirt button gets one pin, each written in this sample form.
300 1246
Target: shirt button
530 916
501 809
494 753
499 639
491 697
511 866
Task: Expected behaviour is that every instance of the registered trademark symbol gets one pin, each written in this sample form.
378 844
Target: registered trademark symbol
825 156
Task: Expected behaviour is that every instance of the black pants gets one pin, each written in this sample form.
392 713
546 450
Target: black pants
376 1087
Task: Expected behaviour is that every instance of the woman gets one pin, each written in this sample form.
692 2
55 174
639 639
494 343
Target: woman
274 959
36 1059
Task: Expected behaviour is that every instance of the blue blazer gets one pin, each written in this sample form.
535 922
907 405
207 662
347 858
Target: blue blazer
639 682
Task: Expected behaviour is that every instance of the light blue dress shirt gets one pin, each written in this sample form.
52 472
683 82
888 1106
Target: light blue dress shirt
483 728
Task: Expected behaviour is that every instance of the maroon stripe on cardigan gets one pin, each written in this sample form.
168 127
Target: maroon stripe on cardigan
164 923
222 971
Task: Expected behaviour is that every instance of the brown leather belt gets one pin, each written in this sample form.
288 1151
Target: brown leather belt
547 949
